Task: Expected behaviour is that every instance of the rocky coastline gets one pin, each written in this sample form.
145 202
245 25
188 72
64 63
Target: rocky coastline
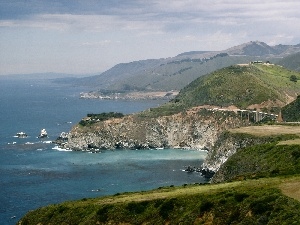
194 129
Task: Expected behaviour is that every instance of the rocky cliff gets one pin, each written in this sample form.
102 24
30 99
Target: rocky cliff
227 145
196 129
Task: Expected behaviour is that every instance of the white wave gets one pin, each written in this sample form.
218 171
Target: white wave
57 148
29 143
47 142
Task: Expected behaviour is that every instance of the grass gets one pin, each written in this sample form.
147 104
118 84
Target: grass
264 160
291 112
277 154
245 202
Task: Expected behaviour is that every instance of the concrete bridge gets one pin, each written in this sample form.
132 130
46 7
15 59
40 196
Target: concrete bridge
256 116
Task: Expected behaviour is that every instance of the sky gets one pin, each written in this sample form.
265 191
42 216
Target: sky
91 36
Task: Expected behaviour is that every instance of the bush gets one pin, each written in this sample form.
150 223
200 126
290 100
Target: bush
206 205
93 118
102 213
293 78
166 207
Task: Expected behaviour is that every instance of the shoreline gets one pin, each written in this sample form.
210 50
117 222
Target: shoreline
135 95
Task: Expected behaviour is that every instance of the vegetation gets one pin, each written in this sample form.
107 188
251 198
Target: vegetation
248 202
240 85
293 78
235 85
93 118
264 160
291 112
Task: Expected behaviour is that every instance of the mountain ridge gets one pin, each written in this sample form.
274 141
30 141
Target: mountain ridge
174 73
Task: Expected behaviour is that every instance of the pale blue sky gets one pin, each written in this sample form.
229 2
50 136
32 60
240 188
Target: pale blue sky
90 36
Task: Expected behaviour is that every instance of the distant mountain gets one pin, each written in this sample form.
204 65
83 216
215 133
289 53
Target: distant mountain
291 62
193 53
256 48
117 73
176 72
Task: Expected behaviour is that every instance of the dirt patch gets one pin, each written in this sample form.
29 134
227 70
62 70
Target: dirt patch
291 189
290 142
268 130
267 104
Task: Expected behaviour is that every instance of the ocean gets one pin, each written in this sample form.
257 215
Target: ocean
33 173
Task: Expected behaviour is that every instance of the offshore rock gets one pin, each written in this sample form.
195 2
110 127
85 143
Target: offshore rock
194 129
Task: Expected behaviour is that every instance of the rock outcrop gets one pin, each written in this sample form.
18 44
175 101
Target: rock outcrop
227 145
198 129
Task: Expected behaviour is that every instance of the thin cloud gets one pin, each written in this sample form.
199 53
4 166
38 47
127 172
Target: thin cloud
100 43
163 16
81 30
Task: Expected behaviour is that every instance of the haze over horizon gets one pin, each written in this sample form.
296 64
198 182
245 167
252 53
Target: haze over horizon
90 36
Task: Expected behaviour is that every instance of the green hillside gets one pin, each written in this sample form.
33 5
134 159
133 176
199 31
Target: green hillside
241 86
265 160
291 112
263 201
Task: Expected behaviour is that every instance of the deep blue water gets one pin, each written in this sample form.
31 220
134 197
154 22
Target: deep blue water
33 174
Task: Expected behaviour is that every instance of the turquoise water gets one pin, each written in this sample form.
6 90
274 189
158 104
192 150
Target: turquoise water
33 174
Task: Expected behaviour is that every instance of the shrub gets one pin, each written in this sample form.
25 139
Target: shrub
166 207
206 205
293 78
102 213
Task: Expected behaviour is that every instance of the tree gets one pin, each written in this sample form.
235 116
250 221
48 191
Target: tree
293 78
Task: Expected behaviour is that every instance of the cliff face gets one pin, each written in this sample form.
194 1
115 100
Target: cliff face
192 129
227 145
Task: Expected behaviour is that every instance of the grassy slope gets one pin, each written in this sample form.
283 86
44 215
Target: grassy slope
265 160
241 86
291 112
235 85
276 158
247 202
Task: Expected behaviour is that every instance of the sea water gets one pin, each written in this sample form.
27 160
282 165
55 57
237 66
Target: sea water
33 173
